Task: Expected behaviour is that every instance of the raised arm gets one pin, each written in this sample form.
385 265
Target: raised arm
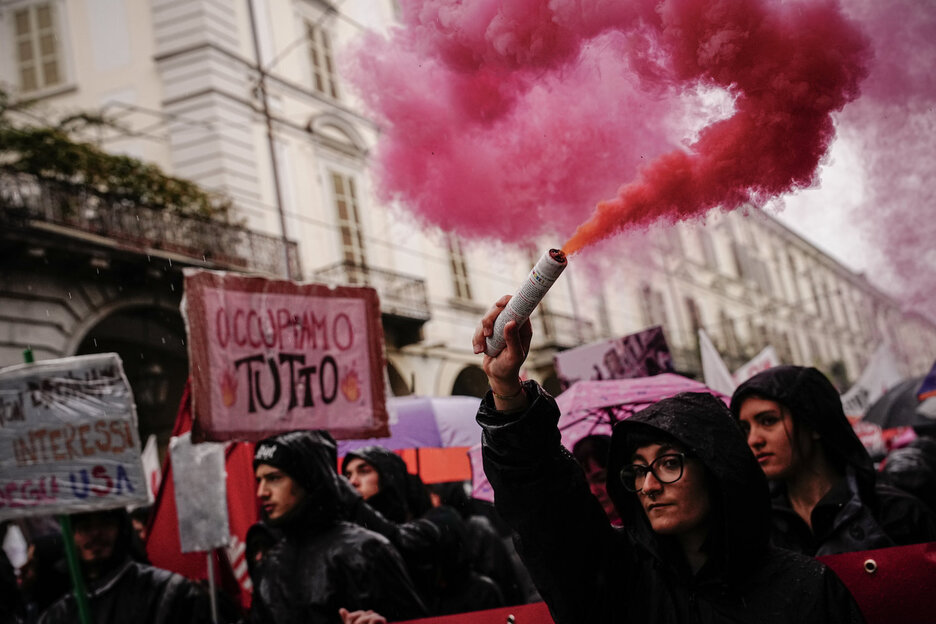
561 532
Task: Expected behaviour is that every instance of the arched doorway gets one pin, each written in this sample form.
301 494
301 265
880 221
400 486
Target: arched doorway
151 344
551 384
471 381
398 385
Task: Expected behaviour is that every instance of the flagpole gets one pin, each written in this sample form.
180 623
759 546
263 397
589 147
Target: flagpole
211 587
71 553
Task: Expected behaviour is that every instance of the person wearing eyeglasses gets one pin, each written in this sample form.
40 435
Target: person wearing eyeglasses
694 505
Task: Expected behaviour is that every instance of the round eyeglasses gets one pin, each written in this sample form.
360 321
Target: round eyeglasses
665 468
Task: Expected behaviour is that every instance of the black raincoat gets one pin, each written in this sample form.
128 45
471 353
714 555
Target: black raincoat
588 571
391 470
320 563
129 591
417 540
863 512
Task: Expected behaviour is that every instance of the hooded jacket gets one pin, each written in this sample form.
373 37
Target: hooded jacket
318 562
131 591
588 571
391 470
386 512
863 512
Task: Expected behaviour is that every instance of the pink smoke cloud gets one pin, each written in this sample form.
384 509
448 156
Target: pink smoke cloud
509 119
892 126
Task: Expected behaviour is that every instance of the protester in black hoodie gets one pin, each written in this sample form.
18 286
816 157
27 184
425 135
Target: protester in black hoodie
44 576
121 589
826 496
385 489
694 544
319 563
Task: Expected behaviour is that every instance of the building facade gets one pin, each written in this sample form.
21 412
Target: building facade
246 98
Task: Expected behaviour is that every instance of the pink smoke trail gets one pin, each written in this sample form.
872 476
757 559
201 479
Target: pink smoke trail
511 118
893 124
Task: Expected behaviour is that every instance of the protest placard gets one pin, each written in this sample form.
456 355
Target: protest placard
68 438
200 493
640 354
269 356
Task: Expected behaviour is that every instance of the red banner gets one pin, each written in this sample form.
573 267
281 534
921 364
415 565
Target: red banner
162 543
535 613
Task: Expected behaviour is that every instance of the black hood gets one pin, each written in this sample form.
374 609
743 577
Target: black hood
390 467
310 458
704 426
812 399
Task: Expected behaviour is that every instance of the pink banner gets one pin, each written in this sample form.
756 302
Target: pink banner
269 356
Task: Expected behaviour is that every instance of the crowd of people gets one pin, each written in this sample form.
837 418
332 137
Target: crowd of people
691 511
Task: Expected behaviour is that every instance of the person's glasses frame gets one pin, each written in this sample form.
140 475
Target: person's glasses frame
663 472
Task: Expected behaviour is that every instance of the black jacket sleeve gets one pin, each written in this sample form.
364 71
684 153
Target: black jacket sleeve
561 532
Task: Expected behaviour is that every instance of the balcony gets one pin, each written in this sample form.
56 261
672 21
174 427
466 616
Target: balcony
404 303
563 331
28 203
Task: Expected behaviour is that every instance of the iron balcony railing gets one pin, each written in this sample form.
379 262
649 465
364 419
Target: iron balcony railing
566 331
26 199
400 295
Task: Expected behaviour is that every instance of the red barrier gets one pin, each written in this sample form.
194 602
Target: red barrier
535 613
891 584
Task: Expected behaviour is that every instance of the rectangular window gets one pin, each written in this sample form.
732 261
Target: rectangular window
322 61
459 268
654 310
38 52
708 250
349 226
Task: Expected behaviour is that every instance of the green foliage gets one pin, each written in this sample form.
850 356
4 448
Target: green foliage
52 153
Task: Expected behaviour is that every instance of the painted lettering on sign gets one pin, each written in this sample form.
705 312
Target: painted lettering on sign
55 444
282 329
98 481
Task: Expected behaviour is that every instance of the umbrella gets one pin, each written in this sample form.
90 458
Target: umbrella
593 407
901 407
433 435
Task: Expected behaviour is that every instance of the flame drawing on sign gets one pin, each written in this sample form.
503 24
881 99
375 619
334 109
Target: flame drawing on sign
351 386
228 389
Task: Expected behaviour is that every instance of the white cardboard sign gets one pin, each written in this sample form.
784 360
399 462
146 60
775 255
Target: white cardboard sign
68 438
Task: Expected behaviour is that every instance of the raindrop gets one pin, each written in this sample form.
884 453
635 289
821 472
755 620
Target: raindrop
148 259
204 258
183 342
95 341
172 287
97 270
164 340
69 294
47 312
170 261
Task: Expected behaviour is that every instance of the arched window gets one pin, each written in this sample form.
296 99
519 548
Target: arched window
471 381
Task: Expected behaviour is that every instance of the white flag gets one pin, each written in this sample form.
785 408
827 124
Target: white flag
878 377
715 373
151 467
764 360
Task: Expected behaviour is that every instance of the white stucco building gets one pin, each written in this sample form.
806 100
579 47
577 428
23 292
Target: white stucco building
244 97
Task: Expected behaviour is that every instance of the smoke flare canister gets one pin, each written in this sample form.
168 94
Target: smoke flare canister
531 292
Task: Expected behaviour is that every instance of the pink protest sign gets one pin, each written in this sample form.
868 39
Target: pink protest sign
269 356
